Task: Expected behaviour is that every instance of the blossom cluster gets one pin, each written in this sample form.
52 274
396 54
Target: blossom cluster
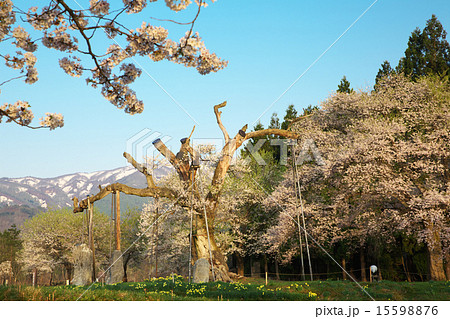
7 18
18 112
71 67
52 120
61 26
99 7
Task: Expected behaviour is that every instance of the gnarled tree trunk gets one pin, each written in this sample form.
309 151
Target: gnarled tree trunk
186 162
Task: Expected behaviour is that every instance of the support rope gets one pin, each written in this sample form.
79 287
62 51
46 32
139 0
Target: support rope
207 233
190 231
297 181
298 215
209 244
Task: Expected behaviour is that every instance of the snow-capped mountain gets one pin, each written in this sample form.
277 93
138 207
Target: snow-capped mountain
43 193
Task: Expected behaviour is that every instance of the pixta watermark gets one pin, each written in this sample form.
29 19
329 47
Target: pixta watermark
141 147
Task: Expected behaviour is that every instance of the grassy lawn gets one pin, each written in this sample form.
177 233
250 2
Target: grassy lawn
246 289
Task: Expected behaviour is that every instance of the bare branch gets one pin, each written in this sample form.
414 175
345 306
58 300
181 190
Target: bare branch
272 131
17 77
141 168
219 120
298 119
192 132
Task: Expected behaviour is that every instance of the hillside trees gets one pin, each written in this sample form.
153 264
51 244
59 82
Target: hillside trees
387 170
344 86
10 244
76 32
48 239
427 53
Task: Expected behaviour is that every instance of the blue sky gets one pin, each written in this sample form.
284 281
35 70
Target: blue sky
268 44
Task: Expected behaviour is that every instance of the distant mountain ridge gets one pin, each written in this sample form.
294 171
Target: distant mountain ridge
21 198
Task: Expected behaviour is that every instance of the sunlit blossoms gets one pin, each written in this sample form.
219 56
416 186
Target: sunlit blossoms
18 112
7 17
386 172
52 120
23 40
69 29
5 269
71 67
99 7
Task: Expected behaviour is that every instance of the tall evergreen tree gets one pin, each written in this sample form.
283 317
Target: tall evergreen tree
386 70
344 86
428 51
274 121
310 109
291 113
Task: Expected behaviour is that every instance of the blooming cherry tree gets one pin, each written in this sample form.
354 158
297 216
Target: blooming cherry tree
386 170
73 28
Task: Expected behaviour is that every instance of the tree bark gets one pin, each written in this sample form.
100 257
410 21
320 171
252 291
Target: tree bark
435 254
363 265
240 265
405 268
447 265
277 271
202 249
125 267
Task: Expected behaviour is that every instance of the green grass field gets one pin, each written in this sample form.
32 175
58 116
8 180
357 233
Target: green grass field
247 289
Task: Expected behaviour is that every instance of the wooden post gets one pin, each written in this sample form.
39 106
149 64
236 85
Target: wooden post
266 278
34 277
91 237
156 239
344 274
117 220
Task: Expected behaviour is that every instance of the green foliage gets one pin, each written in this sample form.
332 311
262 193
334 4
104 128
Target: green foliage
10 244
49 237
428 52
135 253
274 121
177 289
385 71
291 114
344 86
310 109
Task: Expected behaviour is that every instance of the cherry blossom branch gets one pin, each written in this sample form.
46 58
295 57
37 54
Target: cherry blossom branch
88 42
12 119
177 22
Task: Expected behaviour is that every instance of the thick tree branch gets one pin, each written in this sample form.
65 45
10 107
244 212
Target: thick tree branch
298 119
79 206
141 168
272 131
176 161
219 120
151 191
